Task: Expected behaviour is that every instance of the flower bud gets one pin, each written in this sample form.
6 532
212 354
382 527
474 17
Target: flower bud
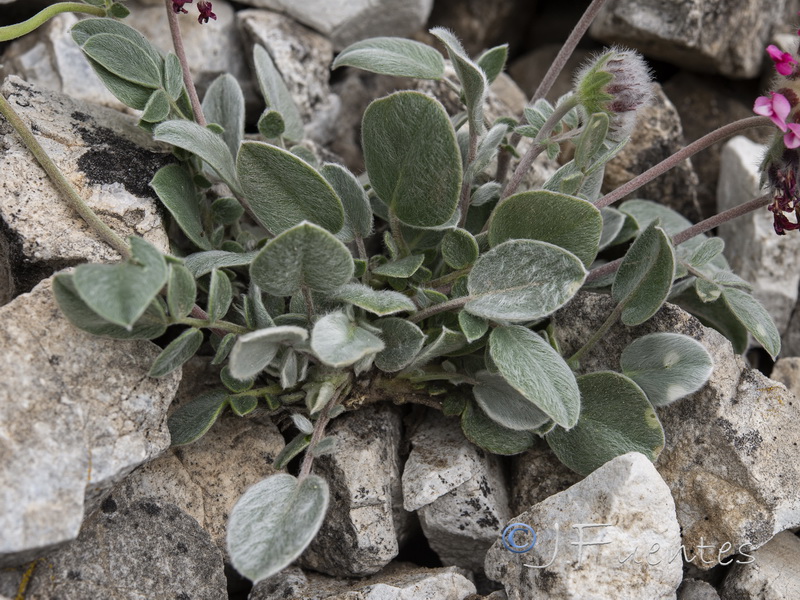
618 83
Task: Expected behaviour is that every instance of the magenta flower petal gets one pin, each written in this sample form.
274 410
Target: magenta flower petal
776 107
783 60
792 137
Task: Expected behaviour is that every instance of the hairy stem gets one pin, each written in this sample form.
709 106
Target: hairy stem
466 184
12 32
62 184
221 327
438 308
574 360
319 430
567 49
673 161
180 52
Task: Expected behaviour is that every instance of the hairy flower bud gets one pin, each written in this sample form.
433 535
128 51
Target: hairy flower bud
618 83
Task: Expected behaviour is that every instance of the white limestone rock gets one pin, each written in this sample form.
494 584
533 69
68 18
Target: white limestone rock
770 573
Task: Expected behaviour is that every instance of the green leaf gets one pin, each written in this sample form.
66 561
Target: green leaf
459 248
752 314
616 418
276 94
224 348
613 222
378 302
393 56
254 351
152 324
473 327
243 405
357 209
177 352
536 371
83 30
667 366
284 190
224 104
226 211
121 293
505 405
717 315
412 158
271 124
157 107
339 342
644 278
487 148
446 342
202 263
235 384
305 255
118 11
487 193
707 251
472 78
493 61
174 186
181 291
130 94
124 58
192 420
206 144
273 522
403 341
592 140
565 221
400 269
173 76
489 435
523 280
707 290
296 446
220 295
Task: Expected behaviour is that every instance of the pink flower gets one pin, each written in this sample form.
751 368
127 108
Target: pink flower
775 106
783 60
205 12
177 5
792 137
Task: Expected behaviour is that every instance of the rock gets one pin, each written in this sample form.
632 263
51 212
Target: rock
770 573
705 103
359 534
529 69
211 49
398 581
790 342
482 25
536 475
755 252
79 414
103 154
347 22
303 59
693 589
611 535
658 135
787 372
50 59
730 457
697 35
458 491
130 550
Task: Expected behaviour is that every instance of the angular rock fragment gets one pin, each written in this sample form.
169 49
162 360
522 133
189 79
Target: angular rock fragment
769 573
537 474
77 414
103 154
360 531
787 372
612 535
458 491
694 589
398 581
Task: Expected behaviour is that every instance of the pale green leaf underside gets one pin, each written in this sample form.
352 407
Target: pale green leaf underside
339 342
253 351
379 302
393 56
505 405
403 341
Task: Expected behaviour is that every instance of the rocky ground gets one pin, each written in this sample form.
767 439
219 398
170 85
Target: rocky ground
94 503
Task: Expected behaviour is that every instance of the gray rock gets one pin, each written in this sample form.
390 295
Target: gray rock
536 475
693 589
658 135
49 58
697 34
790 342
529 69
359 534
770 573
630 535
730 457
211 49
787 372
458 491
398 581
347 22
79 414
755 252
303 59
95 148
132 550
